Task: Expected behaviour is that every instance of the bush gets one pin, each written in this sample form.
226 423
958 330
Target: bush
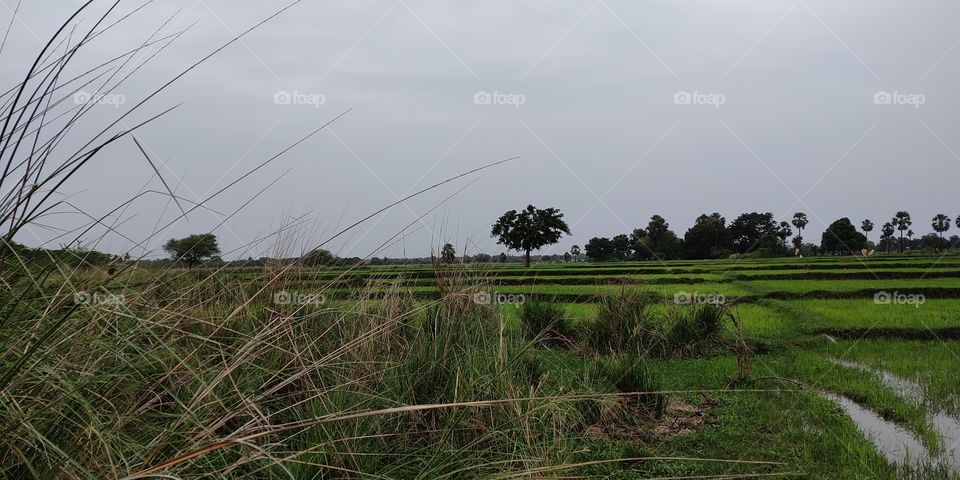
544 322
623 326
629 374
696 328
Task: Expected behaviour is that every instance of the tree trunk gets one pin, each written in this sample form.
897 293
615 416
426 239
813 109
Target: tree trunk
526 258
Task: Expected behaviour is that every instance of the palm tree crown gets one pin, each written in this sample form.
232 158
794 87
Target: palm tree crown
940 224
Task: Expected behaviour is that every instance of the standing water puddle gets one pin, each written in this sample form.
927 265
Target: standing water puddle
898 444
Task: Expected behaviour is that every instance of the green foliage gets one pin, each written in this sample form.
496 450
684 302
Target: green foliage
630 373
12 253
621 247
695 328
902 222
530 229
932 242
867 227
940 224
755 232
707 238
169 372
320 258
886 236
544 322
659 242
448 255
799 221
193 249
623 325
842 237
600 249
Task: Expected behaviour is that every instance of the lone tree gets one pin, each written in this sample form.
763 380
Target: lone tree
193 249
902 221
842 237
529 229
448 254
784 232
941 223
800 221
867 227
886 235
319 258
575 251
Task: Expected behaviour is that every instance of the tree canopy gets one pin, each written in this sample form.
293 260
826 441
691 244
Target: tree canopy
193 249
707 238
529 229
320 257
448 254
842 237
753 231
600 249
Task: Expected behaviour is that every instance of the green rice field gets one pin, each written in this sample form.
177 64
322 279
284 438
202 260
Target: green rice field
823 367
817 329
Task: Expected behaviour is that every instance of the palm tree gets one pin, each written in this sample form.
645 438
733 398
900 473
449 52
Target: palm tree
575 251
800 221
941 223
902 221
448 254
886 234
784 232
867 227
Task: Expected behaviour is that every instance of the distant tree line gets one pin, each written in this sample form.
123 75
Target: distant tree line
759 234
530 229
67 255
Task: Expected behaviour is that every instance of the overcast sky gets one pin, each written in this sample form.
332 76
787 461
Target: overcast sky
617 110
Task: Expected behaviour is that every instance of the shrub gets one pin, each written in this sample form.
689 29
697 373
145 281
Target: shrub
628 374
696 328
544 322
623 325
